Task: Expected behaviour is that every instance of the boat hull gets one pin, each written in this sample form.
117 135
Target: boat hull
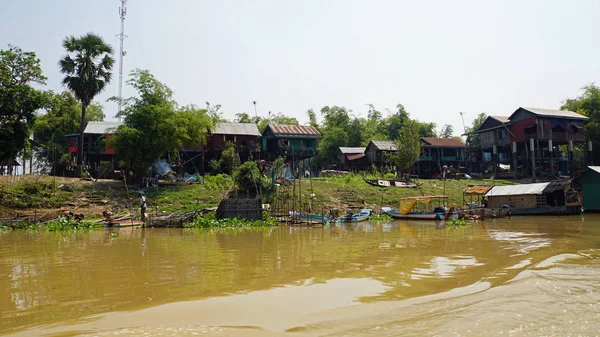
556 210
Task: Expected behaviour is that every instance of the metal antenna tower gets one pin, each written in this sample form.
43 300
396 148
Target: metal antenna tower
122 36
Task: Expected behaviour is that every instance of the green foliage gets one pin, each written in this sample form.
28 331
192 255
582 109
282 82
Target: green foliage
62 118
34 195
329 145
458 223
210 221
245 118
588 104
247 176
229 159
473 139
154 126
426 129
408 145
312 118
447 131
60 224
18 99
380 218
87 69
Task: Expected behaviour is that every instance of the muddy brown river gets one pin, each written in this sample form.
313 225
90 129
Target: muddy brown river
520 277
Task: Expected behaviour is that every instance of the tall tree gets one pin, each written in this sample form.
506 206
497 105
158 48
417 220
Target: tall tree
409 147
473 139
18 99
153 125
87 68
447 131
50 129
312 118
588 104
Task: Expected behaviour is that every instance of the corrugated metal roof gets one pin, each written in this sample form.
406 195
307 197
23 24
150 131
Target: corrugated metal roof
101 128
595 168
352 150
292 130
477 189
385 145
537 188
503 119
555 113
557 185
443 142
246 129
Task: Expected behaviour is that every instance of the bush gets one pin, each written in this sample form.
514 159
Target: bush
247 176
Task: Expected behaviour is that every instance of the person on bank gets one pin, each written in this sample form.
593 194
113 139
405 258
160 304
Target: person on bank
143 206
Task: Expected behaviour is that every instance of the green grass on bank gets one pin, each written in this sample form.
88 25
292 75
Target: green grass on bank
351 189
318 194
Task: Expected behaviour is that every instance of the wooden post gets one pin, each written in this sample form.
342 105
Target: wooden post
550 148
532 155
590 154
571 173
514 158
495 159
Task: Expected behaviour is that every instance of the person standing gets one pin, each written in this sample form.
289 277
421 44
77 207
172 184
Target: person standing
143 206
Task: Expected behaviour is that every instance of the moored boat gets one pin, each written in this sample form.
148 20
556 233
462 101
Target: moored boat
388 183
357 217
422 208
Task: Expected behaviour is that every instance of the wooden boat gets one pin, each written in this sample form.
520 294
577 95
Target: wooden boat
421 208
351 218
388 183
307 217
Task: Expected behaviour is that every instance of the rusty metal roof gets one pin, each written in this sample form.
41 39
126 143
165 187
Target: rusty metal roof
477 189
443 142
554 113
355 156
245 129
294 130
556 185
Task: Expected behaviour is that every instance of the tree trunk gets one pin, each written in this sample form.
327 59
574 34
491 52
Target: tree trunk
80 147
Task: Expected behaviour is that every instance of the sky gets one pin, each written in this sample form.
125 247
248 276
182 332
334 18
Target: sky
437 58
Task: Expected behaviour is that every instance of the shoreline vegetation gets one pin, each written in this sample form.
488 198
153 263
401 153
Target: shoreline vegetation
39 199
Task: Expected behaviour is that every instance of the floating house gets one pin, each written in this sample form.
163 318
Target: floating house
437 152
351 158
96 148
590 183
528 141
551 198
377 150
290 141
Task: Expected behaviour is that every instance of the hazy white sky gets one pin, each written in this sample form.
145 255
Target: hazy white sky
437 58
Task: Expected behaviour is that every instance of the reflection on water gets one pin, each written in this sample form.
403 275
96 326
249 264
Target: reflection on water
355 279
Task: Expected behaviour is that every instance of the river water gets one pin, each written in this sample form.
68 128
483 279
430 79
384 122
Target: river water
519 277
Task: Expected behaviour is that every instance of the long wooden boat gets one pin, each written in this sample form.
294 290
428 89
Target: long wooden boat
394 213
305 216
388 183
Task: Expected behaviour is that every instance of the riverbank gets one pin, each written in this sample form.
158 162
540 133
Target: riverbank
45 197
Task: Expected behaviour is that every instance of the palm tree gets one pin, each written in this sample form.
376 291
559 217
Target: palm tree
87 67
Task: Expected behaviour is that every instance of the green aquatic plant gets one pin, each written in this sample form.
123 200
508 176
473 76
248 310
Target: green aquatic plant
458 223
210 221
380 217
64 223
